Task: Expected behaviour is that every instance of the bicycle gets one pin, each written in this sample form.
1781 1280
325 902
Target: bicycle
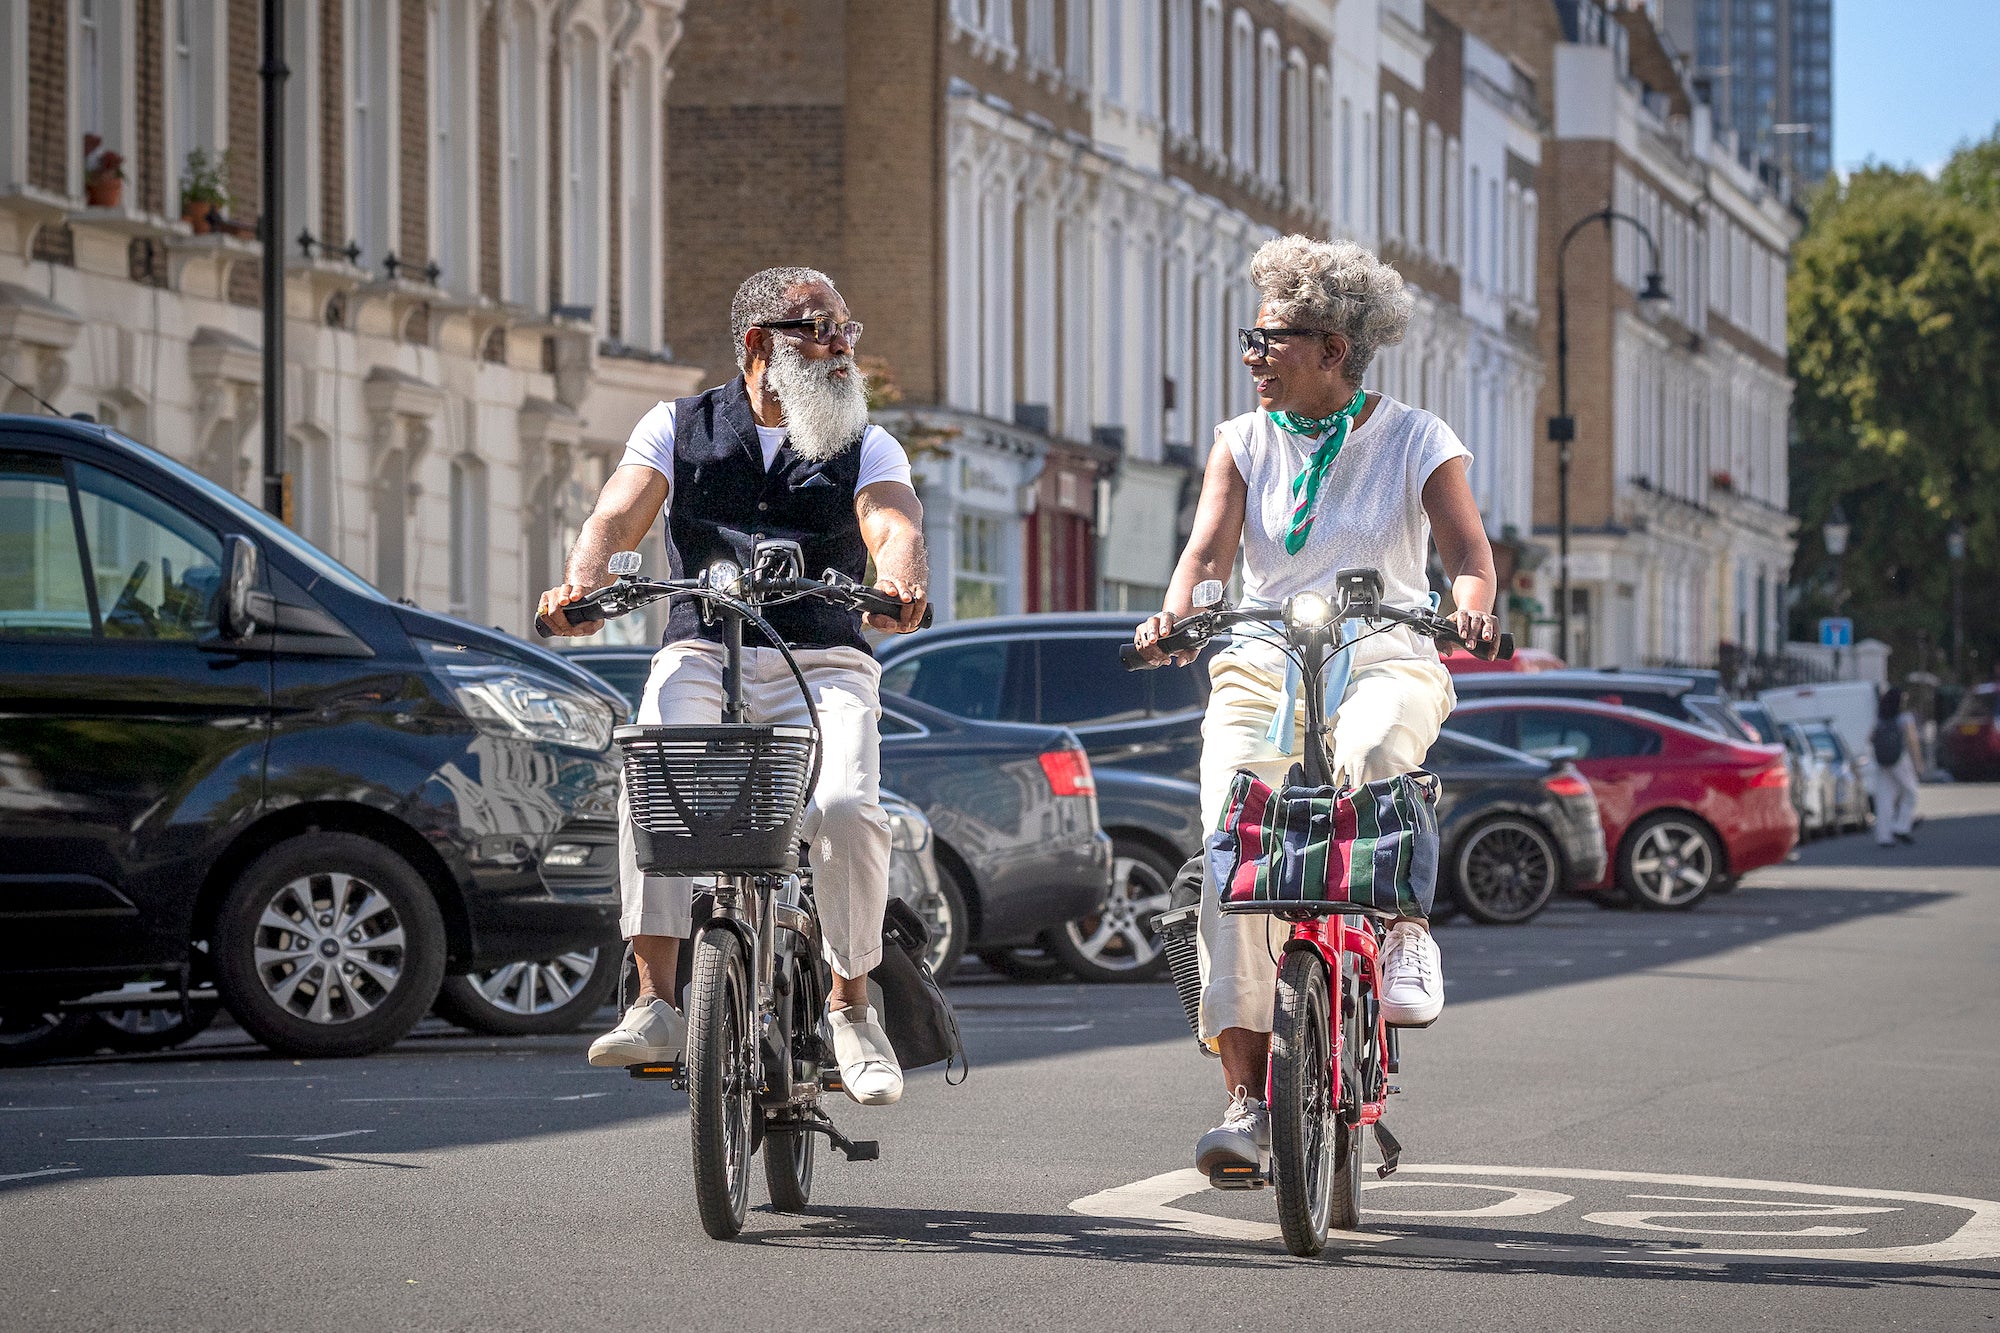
1328 1075
724 802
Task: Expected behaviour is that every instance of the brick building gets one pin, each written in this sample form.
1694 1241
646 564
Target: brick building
1681 538
476 287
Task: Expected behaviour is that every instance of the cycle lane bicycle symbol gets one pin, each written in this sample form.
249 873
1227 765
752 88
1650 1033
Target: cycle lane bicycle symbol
1651 1216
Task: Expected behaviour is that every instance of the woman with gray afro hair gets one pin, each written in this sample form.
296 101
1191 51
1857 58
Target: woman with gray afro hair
1323 476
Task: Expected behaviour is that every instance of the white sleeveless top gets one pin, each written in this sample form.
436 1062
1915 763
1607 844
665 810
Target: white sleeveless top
1370 512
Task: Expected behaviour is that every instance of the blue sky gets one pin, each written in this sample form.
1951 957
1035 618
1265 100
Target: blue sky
1912 78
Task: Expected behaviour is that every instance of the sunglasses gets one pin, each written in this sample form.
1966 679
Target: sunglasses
1258 341
823 328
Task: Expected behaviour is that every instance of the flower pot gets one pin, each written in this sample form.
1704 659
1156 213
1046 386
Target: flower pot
194 212
103 192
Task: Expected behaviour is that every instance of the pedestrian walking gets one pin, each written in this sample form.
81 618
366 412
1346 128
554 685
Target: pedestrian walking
1894 741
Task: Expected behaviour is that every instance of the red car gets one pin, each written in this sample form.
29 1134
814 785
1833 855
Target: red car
1461 663
1969 744
1683 809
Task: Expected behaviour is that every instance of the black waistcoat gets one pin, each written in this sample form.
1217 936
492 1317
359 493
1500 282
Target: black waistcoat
723 497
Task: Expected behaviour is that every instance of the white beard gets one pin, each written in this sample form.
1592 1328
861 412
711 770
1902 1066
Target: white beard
824 415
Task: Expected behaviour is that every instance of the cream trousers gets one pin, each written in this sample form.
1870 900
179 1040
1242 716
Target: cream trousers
844 825
1387 719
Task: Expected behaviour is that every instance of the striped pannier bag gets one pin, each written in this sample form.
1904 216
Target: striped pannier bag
1372 848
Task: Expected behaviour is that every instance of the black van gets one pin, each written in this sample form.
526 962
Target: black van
226 761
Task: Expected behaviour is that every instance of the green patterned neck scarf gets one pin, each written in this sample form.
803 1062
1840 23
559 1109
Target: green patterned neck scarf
1305 486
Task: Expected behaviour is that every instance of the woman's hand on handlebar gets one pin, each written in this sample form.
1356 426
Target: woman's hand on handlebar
1146 638
1477 629
911 595
547 611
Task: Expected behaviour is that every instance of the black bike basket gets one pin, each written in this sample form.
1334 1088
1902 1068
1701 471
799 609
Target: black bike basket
722 799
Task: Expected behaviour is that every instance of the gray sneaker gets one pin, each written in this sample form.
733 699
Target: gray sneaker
1243 1136
652 1032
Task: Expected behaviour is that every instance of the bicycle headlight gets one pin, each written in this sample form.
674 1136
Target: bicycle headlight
510 699
1308 610
723 576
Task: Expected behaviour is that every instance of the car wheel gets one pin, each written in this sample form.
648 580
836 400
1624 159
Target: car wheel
32 1034
1505 871
329 944
136 1031
1118 942
951 926
1023 964
1669 862
532 998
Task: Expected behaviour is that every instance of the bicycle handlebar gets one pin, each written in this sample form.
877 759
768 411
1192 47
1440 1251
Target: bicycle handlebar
627 596
1196 630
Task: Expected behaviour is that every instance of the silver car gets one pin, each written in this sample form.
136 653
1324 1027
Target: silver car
1850 782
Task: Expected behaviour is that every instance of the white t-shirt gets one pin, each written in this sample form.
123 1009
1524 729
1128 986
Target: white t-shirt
1370 513
652 445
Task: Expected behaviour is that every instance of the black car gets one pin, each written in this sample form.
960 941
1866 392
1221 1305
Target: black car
1688 696
1143 732
1011 809
229 766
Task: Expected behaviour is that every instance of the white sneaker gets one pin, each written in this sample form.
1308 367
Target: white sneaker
1243 1136
1412 977
868 1068
652 1032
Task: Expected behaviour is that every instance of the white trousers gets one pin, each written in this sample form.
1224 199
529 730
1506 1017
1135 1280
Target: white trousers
844 825
1391 713
1895 799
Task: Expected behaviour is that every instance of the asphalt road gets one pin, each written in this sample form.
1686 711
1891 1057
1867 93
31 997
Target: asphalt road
1776 1111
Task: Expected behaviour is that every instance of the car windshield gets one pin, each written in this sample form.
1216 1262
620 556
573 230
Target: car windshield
1758 718
259 522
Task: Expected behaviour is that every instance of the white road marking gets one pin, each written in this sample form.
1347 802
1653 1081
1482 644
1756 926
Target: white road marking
1978 1237
40 1108
1518 1203
1024 1027
203 1138
46 1171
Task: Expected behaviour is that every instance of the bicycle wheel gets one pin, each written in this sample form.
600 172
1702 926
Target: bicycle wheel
1303 1127
1358 1074
788 1153
721 1081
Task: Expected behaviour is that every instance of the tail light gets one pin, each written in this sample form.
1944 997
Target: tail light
1777 775
1567 783
1068 772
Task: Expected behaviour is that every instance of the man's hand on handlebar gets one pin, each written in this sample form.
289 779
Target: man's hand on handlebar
1146 638
554 598
911 595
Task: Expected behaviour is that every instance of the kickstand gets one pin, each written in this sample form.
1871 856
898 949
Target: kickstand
855 1150
1391 1150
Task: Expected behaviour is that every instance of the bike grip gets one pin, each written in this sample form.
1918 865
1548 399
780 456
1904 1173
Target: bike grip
1504 649
576 613
882 604
1129 658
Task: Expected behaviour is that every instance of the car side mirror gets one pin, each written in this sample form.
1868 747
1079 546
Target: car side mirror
235 612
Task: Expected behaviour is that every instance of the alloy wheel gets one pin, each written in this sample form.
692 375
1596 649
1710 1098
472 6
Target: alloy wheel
1120 935
1506 872
1672 864
539 987
329 948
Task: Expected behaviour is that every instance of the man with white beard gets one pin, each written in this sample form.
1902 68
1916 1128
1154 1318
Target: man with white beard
783 450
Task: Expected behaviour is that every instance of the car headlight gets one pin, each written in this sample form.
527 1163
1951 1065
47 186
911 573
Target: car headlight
504 698
909 831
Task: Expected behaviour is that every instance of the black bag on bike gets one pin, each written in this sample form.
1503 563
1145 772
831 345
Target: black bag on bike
913 1010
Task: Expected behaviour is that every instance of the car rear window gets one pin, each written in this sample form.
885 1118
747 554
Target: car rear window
1592 736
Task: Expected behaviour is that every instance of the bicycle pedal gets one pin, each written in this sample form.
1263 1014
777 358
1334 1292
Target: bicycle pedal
863 1150
671 1070
1390 1148
1237 1176
830 1079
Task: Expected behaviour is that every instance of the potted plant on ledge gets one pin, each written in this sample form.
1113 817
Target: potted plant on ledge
205 189
103 174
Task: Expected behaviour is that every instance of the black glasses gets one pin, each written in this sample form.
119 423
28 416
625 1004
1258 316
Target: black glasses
824 328
1258 341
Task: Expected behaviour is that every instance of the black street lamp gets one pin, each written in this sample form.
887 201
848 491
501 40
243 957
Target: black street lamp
1653 303
1954 546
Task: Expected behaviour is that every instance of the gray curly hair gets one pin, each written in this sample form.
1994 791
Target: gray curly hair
763 296
1336 286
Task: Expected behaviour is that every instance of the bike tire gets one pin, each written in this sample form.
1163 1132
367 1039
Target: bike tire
788 1153
1359 1070
788 1168
1304 1124
721 1088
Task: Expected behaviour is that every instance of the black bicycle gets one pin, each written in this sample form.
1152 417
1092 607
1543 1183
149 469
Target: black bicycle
724 802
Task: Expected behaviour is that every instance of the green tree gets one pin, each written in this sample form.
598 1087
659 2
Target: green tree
1895 345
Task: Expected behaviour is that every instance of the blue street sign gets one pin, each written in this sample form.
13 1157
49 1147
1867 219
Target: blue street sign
1836 632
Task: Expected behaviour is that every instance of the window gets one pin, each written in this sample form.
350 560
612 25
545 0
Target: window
1211 76
1297 134
1452 232
1347 163
1084 686
967 680
1495 725
892 723
468 537
583 167
371 130
1592 736
1076 47
1413 181
979 588
1179 690
90 43
1042 35
1392 157
1149 59
452 148
1114 52
1267 108
1319 153
154 569
1180 68
1242 94
640 111
41 568
312 487
517 231
1473 203
1433 200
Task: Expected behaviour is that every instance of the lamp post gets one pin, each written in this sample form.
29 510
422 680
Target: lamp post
1954 546
1834 532
1653 302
